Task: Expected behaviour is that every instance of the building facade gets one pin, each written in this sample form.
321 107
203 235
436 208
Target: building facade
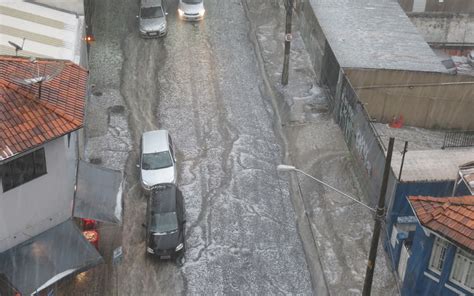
37 190
437 249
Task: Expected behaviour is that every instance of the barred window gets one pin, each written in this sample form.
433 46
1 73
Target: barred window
438 255
462 272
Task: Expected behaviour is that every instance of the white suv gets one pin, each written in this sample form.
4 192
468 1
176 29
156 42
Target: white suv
157 159
191 10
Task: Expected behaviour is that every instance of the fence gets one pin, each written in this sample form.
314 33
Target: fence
458 139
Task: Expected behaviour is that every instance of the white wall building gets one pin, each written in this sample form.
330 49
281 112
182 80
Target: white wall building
44 201
39 241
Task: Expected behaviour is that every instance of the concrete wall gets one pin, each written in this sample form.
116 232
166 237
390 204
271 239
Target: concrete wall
427 100
456 6
312 34
445 28
362 140
42 203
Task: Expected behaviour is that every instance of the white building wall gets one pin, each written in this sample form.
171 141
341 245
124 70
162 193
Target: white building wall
44 202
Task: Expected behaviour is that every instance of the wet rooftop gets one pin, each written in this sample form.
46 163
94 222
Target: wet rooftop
374 34
425 160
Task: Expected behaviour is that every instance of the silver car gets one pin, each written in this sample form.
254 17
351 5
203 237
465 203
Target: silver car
191 10
157 159
152 19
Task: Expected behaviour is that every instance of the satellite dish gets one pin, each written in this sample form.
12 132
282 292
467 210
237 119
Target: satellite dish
39 73
16 46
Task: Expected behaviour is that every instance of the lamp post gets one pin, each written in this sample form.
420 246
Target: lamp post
378 217
288 168
286 60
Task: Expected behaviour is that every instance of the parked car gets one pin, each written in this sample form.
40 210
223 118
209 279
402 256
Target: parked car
165 222
152 19
191 10
157 159
470 58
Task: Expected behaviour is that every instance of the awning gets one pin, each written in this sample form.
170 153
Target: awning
47 258
98 193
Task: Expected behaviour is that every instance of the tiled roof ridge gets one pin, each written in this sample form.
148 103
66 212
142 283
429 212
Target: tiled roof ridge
43 103
451 217
466 200
42 61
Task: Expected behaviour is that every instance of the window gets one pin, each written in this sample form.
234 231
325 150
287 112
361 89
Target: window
23 169
155 161
463 270
438 255
172 152
152 12
393 238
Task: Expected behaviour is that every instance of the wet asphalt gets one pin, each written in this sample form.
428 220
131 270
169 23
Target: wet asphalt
202 83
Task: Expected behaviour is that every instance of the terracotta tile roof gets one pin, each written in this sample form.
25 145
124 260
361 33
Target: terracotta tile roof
451 217
27 120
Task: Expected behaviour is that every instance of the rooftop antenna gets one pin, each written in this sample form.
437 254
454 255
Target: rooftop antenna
16 46
39 76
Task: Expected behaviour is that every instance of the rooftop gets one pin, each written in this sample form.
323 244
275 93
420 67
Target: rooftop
27 120
374 34
425 160
451 217
43 31
431 165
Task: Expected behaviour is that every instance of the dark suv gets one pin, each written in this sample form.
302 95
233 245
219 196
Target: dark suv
165 222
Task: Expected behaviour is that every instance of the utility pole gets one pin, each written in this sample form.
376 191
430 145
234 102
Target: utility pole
369 274
405 150
286 61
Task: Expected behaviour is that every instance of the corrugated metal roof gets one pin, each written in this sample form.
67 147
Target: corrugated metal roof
374 34
48 32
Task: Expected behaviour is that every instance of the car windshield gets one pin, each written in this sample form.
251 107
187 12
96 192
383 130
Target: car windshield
192 1
164 222
151 12
155 161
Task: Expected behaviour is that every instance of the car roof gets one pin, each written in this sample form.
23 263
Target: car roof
163 198
155 141
150 3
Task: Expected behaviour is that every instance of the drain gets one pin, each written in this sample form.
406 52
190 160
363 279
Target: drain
117 109
97 93
96 160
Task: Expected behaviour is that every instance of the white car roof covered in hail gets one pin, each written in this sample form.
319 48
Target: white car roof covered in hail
155 141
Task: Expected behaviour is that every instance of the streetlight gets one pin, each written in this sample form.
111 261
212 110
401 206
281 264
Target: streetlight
289 168
379 212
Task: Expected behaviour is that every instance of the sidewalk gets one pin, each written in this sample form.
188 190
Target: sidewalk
340 230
